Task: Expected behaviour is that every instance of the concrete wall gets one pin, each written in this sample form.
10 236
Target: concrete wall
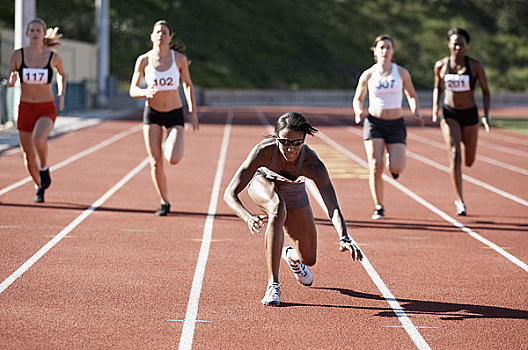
323 98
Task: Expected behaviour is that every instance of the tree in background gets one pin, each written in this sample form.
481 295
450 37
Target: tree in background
304 44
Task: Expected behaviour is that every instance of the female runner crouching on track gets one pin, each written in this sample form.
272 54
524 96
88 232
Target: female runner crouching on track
34 65
162 67
274 172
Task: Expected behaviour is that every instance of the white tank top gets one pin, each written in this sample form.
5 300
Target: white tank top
385 92
167 80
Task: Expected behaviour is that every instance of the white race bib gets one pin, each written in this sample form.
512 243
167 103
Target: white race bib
165 83
35 76
457 82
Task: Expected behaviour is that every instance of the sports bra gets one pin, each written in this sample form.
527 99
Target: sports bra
163 81
385 91
274 176
459 82
35 76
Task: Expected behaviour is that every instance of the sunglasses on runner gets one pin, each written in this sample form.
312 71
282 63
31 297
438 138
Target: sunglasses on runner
286 142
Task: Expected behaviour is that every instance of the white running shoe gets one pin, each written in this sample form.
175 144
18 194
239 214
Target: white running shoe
460 208
301 272
272 297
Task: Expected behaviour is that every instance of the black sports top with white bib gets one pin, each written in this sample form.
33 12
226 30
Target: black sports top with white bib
459 82
35 76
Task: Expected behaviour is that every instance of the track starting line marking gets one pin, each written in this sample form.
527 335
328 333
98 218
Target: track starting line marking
421 327
197 321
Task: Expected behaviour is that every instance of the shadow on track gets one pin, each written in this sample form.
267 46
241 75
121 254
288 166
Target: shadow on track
445 311
77 207
422 225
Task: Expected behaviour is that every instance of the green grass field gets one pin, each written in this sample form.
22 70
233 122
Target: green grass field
514 124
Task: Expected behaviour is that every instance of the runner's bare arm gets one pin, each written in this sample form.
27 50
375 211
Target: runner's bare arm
61 80
139 70
486 98
240 180
318 173
14 63
359 96
412 97
437 91
188 88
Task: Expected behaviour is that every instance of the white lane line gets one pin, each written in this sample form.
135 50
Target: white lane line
406 322
469 179
484 159
194 298
424 327
72 225
197 321
77 156
504 149
496 147
429 206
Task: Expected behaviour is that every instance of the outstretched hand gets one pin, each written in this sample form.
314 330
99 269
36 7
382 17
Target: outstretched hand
256 223
346 244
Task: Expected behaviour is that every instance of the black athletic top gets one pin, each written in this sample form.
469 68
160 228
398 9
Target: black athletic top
38 76
459 82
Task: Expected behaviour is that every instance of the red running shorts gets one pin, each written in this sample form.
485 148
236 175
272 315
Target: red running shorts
29 113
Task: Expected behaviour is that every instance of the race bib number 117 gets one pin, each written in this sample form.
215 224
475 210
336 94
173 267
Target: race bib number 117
34 76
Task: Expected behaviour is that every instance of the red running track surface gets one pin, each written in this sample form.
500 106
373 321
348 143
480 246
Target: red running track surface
110 274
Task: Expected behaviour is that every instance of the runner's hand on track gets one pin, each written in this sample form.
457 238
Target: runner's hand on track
346 244
256 223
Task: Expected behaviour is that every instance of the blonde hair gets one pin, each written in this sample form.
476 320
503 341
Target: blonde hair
51 39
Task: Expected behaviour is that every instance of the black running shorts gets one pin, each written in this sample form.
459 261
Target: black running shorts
166 119
464 117
392 131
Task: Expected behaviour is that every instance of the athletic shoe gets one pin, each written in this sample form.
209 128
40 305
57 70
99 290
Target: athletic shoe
39 195
460 208
301 272
379 212
394 176
163 210
45 179
272 297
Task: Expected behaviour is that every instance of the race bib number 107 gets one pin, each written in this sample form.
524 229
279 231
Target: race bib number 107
34 76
